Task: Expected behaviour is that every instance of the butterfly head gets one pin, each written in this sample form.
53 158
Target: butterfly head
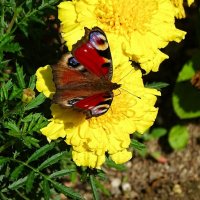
115 86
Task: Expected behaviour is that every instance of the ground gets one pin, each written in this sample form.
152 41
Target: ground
147 179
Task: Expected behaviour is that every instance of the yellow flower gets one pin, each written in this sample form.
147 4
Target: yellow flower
132 110
135 29
180 11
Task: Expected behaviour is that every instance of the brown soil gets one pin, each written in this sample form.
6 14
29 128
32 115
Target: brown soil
147 179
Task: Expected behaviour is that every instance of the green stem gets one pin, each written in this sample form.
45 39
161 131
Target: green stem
2 16
5 146
21 195
12 22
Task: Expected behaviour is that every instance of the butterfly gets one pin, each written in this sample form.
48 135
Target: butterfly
83 77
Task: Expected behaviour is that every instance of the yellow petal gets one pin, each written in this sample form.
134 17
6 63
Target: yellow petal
45 82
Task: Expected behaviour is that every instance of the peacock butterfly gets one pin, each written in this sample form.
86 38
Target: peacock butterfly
83 77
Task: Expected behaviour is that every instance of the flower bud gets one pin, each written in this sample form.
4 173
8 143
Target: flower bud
28 95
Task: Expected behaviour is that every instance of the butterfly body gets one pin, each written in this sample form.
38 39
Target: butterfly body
83 78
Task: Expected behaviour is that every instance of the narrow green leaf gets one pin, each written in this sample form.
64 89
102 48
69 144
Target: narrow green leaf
157 85
31 141
20 76
3 160
111 163
155 134
102 188
5 88
62 173
101 174
31 116
3 197
46 189
23 26
52 160
94 189
12 47
16 93
11 125
35 102
137 145
40 152
66 190
32 82
30 181
17 184
17 171
178 137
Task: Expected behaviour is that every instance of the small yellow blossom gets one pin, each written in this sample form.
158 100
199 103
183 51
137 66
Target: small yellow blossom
132 110
136 30
179 6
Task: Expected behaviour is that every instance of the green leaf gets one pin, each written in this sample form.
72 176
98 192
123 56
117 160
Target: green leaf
186 104
41 152
12 47
62 173
66 191
110 163
4 90
157 85
3 160
155 134
94 189
17 184
187 72
20 76
137 145
31 117
35 102
46 189
17 171
102 188
30 181
29 141
3 197
11 125
23 26
178 137
16 93
32 82
101 174
52 160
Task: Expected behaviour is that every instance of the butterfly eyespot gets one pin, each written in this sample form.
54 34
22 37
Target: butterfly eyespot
98 41
99 110
72 62
73 101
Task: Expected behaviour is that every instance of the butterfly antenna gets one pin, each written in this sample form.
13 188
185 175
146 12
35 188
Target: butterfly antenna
126 75
129 92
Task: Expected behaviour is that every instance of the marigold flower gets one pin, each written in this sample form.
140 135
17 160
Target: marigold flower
179 6
135 29
132 110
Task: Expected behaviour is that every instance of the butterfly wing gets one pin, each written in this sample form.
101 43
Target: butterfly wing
74 75
93 52
96 105
71 80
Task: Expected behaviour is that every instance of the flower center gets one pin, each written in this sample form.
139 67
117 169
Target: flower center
124 17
